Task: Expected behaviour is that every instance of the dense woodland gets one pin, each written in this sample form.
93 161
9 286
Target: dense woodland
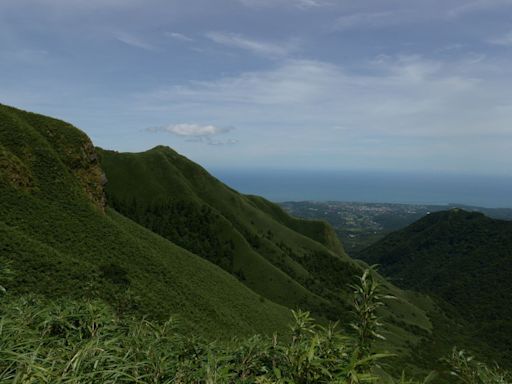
464 258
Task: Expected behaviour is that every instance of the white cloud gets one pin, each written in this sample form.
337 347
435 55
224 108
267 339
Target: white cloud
477 6
402 97
76 4
65 9
26 56
179 36
301 4
370 19
258 47
376 14
210 141
134 41
502 40
197 133
191 130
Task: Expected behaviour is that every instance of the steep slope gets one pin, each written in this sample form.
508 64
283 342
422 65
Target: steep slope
317 230
60 239
462 257
297 263
292 262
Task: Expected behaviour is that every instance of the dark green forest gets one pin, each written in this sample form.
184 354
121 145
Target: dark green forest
464 258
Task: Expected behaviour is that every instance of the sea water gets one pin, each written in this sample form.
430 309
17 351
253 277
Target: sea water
370 186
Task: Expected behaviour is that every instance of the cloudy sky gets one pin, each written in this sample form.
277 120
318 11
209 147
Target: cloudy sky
400 85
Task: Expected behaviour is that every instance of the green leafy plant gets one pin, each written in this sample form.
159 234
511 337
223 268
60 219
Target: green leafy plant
368 298
67 341
467 370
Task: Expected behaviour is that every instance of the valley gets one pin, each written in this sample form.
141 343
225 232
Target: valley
360 224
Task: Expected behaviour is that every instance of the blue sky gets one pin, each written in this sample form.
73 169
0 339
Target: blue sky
403 85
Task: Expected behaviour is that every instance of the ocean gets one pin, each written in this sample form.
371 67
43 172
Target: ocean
378 187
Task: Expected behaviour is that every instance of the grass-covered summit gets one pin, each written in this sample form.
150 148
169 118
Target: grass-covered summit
294 262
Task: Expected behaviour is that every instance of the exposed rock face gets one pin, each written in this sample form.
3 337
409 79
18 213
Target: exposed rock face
79 155
90 174
104 179
28 142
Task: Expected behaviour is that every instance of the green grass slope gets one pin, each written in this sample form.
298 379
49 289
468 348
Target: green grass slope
292 262
465 258
297 263
61 240
317 230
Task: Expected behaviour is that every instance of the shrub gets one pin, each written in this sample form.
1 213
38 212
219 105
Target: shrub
66 341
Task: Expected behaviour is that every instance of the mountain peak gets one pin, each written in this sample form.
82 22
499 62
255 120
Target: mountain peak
162 148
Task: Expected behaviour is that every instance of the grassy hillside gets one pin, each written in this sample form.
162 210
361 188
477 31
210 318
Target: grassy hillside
465 258
293 262
317 230
60 239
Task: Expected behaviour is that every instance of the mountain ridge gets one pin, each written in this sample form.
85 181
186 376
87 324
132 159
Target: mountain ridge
174 197
60 240
231 265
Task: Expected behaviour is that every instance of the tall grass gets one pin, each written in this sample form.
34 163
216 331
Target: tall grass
86 342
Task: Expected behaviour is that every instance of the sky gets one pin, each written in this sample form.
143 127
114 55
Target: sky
385 85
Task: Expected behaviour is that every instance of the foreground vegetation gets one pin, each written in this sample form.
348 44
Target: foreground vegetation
86 342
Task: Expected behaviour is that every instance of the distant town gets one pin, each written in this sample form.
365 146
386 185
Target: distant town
360 224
